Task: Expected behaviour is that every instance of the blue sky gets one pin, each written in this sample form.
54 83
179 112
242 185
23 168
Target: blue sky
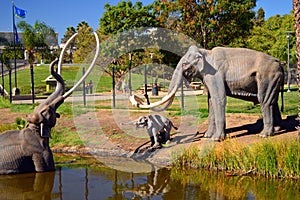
61 14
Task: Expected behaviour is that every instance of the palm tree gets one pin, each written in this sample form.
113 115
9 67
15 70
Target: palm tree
84 42
69 32
296 8
34 37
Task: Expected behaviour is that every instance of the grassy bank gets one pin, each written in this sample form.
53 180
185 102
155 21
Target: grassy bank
270 158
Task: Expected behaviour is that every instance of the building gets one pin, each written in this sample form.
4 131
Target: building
7 39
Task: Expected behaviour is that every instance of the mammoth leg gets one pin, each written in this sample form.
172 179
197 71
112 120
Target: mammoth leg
268 91
217 102
218 105
211 120
152 132
166 133
277 116
43 161
267 120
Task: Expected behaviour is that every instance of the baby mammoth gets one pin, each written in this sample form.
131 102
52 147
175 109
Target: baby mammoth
158 128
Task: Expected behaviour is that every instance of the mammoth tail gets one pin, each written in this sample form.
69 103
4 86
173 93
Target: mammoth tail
173 126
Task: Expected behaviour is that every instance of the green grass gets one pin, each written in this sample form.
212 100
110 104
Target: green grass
41 72
270 158
233 105
65 137
6 127
70 74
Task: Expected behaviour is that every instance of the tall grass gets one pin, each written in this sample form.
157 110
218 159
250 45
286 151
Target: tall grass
278 158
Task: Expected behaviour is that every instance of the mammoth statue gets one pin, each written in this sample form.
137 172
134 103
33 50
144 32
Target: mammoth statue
27 150
157 126
236 72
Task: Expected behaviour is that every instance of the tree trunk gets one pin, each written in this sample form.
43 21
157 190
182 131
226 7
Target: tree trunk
296 8
32 82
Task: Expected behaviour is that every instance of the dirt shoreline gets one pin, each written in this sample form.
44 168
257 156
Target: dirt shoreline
243 127
113 141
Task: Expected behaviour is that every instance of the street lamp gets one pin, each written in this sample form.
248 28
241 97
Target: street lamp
129 73
114 63
288 67
2 75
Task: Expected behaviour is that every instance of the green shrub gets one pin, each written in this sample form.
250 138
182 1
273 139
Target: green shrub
20 123
279 158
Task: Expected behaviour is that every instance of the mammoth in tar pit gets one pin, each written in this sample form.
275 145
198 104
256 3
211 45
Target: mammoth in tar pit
27 150
237 72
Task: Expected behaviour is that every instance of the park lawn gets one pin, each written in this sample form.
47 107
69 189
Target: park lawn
71 74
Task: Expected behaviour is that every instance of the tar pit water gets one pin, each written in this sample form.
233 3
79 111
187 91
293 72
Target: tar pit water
81 177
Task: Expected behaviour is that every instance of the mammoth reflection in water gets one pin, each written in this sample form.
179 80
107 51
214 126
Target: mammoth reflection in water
27 186
102 182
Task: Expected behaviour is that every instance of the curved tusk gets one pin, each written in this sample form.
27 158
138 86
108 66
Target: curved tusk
63 52
88 71
60 86
136 101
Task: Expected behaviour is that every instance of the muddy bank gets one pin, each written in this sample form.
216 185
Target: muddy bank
242 127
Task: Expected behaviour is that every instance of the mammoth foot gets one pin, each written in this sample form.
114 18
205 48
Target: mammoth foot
155 146
265 135
277 128
168 142
208 134
214 137
262 135
269 131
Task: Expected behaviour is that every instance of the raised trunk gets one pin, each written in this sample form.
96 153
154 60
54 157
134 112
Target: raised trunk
60 87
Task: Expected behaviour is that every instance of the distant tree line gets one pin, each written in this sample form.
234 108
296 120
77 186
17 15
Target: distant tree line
210 23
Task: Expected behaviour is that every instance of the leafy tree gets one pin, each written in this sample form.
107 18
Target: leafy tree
271 38
34 39
210 22
260 17
126 16
69 32
84 42
120 23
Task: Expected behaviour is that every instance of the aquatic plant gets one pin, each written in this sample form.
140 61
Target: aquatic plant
269 158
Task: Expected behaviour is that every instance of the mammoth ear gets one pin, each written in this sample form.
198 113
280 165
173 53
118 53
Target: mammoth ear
199 60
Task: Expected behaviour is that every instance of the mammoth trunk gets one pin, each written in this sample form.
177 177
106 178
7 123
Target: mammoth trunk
60 87
176 80
175 83
166 100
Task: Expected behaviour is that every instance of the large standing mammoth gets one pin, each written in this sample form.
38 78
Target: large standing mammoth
27 150
237 72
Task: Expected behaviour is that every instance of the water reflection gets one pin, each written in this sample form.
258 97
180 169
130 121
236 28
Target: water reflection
94 180
27 186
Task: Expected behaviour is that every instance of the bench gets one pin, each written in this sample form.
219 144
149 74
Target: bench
196 85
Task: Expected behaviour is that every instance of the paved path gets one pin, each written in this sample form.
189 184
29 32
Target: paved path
105 96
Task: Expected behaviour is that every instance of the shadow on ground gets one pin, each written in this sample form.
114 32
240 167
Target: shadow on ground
287 125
